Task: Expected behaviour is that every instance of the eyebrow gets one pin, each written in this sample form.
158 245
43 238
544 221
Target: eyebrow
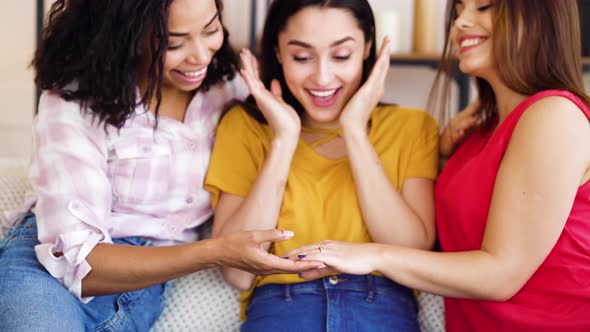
181 34
306 45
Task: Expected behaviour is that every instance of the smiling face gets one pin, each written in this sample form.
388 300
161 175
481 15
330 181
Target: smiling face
321 51
472 37
195 34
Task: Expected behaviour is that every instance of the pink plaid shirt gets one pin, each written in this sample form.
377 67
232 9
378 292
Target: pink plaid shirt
90 186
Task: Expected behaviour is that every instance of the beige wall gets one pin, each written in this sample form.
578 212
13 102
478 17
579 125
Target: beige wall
406 85
17 93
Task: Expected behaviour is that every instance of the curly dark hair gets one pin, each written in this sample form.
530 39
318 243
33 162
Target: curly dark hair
98 45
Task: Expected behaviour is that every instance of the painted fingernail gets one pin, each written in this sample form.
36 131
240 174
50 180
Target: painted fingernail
301 256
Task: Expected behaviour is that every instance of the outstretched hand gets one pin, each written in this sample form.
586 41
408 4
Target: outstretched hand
245 251
358 109
458 128
338 257
281 117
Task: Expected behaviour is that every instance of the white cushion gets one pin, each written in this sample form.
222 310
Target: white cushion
201 301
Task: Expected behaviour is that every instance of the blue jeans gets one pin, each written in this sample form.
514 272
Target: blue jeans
343 303
32 300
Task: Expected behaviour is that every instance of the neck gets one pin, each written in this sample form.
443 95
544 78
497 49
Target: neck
310 123
174 102
506 98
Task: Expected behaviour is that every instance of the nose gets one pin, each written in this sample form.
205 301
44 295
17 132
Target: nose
199 53
323 73
464 20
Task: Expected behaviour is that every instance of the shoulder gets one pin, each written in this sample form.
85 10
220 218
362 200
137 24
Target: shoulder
553 126
54 109
237 119
560 113
404 118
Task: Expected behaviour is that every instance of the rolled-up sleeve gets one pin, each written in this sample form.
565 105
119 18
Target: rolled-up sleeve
69 178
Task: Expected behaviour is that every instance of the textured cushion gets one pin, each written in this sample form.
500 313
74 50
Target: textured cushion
201 301
13 185
431 312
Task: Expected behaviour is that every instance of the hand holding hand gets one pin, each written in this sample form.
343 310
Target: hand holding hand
357 111
338 257
457 129
245 251
281 117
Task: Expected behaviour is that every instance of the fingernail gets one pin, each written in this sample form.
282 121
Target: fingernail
288 233
301 256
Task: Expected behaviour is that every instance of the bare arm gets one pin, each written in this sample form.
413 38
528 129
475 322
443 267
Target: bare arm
409 213
260 208
406 218
533 194
121 268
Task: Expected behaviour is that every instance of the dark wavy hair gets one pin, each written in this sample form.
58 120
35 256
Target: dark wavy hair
98 46
548 57
279 13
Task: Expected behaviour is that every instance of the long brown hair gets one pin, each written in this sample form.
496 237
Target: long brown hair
277 17
537 43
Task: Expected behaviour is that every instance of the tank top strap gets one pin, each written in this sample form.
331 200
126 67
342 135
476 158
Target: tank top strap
552 93
513 118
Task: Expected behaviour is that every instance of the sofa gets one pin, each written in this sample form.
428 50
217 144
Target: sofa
200 301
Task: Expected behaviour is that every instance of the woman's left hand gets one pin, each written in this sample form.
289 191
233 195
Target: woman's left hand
338 257
357 111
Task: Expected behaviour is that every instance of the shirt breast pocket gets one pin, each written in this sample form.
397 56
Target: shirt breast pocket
142 171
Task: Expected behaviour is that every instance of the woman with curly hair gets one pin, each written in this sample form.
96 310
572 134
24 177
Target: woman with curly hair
133 93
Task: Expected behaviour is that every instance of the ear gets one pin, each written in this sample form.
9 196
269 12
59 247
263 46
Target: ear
368 46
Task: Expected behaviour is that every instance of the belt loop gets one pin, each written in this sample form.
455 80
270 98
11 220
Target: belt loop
288 297
370 288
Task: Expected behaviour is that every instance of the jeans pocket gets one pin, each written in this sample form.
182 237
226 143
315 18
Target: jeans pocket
123 306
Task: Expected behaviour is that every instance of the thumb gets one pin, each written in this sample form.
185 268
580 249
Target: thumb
273 235
275 89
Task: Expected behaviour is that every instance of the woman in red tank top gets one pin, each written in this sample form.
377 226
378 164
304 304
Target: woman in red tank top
513 202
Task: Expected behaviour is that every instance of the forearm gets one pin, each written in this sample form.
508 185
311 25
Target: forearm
122 268
471 274
260 208
387 216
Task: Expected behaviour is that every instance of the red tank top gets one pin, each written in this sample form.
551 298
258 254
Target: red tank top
557 297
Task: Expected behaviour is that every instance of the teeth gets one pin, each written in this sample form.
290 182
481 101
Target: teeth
195 73
323 94
471 42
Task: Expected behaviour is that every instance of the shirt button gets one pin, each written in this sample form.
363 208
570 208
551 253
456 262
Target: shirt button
189 200
333 280
172 228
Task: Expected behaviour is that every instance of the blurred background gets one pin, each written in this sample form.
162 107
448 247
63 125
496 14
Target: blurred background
415 27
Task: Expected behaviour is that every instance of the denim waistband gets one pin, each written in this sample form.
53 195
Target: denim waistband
363 283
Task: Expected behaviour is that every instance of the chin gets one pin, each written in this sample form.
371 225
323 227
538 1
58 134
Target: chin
324 116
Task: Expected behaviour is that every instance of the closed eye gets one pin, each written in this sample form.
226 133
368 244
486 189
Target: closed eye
484 8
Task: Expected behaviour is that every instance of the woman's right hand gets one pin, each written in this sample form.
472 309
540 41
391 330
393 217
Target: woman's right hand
457 129
281 117
245 251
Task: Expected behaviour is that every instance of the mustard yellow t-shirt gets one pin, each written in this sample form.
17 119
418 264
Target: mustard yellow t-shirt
320 201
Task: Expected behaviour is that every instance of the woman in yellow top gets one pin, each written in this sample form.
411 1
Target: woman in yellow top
317 155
